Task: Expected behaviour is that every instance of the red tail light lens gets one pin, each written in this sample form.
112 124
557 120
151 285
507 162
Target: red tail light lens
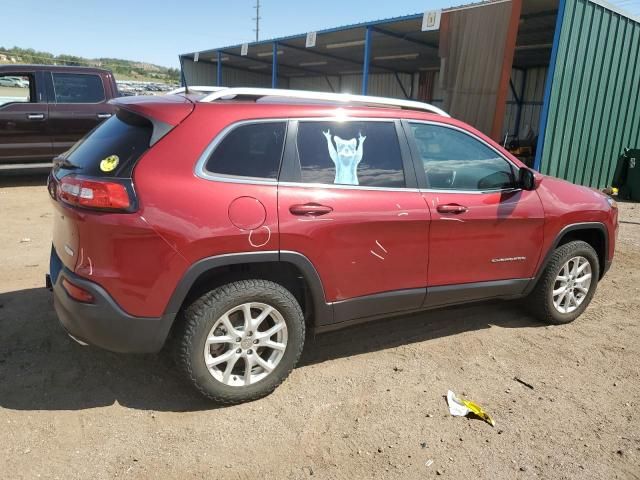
94 193
77 293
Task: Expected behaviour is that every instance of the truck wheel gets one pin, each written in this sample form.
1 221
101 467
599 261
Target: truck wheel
241 340
567 285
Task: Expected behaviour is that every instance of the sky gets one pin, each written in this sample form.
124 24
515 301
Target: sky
157 31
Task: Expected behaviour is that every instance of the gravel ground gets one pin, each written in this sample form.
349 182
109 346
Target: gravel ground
366 402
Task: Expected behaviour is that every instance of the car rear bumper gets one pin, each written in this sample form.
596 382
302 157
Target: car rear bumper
103 323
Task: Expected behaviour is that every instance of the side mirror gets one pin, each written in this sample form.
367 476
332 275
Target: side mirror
526 179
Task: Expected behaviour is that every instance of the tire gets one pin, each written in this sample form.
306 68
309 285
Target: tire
541 300
228 385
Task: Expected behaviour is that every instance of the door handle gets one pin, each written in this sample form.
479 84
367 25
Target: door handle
310 209
452 208
35 116
103 115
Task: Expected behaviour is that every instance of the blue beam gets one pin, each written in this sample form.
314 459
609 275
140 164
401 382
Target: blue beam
274 66
367 55
219 69
544 117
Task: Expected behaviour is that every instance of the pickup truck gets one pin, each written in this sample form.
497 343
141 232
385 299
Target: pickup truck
45 109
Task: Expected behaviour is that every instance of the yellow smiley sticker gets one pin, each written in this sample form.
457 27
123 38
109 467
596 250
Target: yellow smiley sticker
110 163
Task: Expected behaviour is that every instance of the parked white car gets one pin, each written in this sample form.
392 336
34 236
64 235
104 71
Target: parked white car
14 82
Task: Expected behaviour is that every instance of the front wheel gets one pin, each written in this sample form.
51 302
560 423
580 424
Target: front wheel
567 285
241 340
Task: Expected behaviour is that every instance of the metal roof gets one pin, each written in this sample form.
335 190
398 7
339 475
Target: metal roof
398 45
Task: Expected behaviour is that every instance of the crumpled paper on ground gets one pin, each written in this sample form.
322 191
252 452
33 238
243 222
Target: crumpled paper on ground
459 407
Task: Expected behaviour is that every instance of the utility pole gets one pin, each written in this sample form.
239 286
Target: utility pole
257 19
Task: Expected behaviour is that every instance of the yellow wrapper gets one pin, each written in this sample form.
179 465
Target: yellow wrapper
477 409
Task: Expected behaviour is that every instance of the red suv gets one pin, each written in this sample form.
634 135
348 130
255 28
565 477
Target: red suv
228 223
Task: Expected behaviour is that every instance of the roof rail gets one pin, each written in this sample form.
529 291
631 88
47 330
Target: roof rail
258 93
196 89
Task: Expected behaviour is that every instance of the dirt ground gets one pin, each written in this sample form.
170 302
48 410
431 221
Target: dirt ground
367 402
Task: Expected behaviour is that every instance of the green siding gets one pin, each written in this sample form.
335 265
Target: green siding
594 107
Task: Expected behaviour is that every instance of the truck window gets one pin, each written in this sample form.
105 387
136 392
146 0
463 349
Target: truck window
78 88
16 88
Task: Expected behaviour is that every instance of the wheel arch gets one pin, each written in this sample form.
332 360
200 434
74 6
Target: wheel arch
286 268
593 233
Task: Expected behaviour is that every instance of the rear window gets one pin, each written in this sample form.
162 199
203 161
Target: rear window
112 149
252 150
78 88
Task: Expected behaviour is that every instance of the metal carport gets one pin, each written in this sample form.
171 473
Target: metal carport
396 57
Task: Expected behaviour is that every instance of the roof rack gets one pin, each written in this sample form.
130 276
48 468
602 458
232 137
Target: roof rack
347 99
196 89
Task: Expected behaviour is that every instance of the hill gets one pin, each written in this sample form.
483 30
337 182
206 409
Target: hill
122 69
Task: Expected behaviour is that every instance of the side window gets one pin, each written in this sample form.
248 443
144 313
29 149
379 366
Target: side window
77 88
350 153
454 160
15 87
251 150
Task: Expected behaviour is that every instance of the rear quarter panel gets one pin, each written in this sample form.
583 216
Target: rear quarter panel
190 212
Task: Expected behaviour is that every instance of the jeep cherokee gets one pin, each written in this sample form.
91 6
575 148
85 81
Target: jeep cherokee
227 223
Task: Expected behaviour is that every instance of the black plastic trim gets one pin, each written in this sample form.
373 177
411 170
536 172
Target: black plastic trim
209 263
373 307
571 228
103 323
410 175
323 312
378 304
471 292
290 166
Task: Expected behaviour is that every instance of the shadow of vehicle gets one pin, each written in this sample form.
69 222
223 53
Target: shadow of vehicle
41 368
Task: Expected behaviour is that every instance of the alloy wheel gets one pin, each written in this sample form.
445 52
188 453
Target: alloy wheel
245 344
572 284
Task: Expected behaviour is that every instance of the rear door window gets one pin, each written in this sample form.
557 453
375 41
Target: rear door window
16 88
363 153
78 88
112 149
252 150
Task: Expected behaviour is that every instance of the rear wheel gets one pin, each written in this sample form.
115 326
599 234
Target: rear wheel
241 340
567 285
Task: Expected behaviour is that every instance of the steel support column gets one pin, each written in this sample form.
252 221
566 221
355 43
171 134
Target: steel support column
404 90
367 55
505 75
219 69
520 103
544 116
274 66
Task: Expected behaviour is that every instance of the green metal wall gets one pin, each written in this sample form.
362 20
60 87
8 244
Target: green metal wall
594 104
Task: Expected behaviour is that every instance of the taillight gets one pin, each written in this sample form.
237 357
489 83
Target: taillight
77 293
93 193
